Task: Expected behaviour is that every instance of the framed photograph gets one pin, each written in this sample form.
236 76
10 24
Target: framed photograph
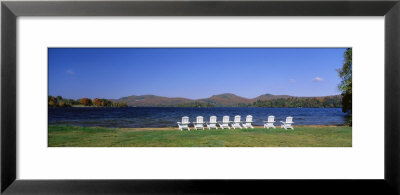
177 92
199 97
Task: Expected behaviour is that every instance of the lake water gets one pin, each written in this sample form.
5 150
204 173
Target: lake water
167 117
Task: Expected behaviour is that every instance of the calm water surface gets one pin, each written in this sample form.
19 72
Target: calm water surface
167 117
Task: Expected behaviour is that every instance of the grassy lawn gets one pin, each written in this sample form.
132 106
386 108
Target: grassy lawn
305 136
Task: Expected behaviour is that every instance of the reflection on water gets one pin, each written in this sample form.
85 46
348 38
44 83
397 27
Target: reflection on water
167 117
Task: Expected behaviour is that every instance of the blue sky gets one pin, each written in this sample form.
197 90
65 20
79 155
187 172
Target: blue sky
193 73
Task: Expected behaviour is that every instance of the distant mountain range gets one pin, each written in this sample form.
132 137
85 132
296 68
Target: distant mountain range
221 100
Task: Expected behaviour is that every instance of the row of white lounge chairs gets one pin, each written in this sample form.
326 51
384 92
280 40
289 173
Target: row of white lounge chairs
236 123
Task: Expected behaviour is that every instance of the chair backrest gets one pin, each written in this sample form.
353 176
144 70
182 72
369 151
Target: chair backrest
249 118
225 119
237 118
213 119
185 119
271 118
199 119
289 119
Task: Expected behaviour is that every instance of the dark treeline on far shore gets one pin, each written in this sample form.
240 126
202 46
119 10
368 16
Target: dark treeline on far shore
84 102
292 102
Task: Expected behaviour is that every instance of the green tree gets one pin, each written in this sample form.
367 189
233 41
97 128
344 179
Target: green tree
345 86
59 98
123 104
119 104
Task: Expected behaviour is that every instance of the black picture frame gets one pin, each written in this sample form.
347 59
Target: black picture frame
11 10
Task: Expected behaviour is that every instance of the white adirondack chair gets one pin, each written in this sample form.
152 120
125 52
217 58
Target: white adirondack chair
270 122
236 122
212 123
224 123
288 123
249 120
184 124
199 123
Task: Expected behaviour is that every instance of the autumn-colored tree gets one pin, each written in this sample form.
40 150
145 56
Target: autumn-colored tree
86 101
61 104
51 98
52 104
58 102
52 101
97 102
102 102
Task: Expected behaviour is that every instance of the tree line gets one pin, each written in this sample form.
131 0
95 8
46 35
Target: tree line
197 105
59 101
293 102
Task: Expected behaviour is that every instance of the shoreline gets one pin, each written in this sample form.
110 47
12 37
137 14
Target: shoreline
192 128
205 128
